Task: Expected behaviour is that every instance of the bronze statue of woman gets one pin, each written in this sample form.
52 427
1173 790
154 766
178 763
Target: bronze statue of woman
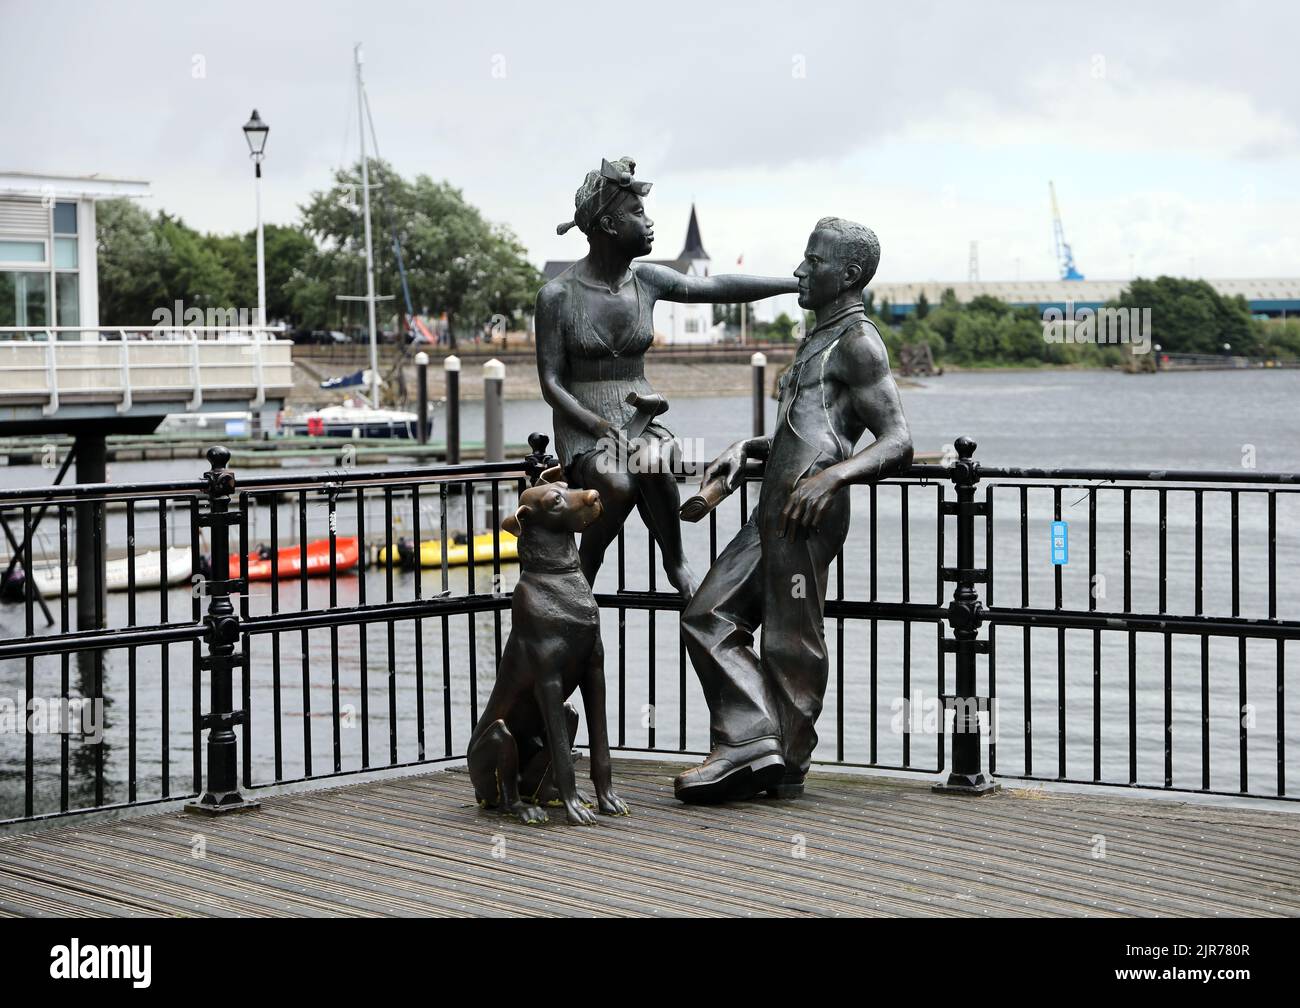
594 326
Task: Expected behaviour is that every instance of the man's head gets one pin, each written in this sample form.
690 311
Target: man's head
840 256
608 208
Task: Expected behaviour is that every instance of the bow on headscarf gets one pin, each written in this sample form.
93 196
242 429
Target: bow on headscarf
601 189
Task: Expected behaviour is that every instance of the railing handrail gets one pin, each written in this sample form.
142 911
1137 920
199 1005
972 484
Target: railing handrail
72 492
458 473
252 327
1127 475
191 336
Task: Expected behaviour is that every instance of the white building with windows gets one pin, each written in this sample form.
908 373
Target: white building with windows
47 247
673 322
63 369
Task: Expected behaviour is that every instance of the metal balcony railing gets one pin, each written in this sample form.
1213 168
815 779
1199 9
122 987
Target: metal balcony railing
1155 657
126 365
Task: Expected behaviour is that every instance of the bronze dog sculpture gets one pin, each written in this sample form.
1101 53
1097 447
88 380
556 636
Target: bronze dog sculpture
521 749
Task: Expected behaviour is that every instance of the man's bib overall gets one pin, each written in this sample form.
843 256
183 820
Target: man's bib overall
780 583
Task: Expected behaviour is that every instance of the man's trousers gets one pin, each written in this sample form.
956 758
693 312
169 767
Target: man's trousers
780 583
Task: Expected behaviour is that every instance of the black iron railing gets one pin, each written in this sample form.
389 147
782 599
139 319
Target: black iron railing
1158 661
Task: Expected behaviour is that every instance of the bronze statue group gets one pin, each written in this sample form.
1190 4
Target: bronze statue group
594 326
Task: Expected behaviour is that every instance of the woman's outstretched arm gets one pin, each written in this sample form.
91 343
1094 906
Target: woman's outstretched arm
727 289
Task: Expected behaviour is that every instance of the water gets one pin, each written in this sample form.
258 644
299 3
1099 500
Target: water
1211 420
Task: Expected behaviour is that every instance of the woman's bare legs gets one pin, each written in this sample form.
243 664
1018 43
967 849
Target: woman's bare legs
659 504
651 487
618 495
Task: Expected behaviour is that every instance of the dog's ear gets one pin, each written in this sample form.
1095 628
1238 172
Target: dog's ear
552 475
512 522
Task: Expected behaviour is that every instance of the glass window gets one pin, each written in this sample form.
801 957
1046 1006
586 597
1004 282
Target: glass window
65 218
24 299
22 251
8 314
65 253
67 290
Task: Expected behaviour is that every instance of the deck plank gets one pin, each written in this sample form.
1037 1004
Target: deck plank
852 846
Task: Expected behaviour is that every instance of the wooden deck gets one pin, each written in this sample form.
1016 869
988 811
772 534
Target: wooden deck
851 846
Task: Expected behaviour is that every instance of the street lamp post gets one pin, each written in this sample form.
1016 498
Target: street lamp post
255 132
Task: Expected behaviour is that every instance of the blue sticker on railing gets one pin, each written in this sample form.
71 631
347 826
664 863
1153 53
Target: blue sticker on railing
1060 542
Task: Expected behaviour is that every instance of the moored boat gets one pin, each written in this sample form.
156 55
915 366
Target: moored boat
430 552
354 420
289 560
117 574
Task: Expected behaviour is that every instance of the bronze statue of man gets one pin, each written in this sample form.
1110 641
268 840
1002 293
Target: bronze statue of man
594 326
763 708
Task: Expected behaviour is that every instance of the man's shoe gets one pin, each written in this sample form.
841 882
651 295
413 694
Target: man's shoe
732 773
789 786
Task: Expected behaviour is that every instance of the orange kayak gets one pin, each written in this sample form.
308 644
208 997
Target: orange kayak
289 561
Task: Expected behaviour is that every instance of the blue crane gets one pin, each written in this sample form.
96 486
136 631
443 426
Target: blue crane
1063 254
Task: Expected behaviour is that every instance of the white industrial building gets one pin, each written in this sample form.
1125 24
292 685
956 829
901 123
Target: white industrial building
1273 297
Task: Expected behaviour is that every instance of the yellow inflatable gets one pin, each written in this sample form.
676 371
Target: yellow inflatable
457 552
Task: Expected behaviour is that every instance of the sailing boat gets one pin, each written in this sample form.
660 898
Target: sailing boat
355 418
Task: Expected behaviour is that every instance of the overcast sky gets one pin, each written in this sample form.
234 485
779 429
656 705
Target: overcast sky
1172 131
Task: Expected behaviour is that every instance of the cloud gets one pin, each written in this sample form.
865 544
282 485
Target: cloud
1167 116
934 122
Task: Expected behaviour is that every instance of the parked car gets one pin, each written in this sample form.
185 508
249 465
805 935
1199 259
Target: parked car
326 337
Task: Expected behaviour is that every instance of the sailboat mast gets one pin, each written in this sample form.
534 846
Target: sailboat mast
370 260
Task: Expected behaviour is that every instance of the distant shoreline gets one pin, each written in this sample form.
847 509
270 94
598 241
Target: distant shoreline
979 369
675 377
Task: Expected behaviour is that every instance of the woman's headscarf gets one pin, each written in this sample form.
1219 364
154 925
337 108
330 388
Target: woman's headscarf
600 189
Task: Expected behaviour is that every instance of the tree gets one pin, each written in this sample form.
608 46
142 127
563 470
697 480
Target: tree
456 260
150 262
192 268
918 330
922 306
1278 338
130 257
1190 316
975 339
287 251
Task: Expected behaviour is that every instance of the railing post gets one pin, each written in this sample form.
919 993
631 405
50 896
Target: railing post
222 631
758 365
494 382
451 365
422 396
965 616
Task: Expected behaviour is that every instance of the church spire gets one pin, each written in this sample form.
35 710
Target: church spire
694 248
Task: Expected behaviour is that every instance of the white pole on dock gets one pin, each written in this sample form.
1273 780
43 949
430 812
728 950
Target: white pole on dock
422 395
494 380
758 363
451 365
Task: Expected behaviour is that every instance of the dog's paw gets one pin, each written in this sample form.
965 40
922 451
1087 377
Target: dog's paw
612 804
578 814
529 815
